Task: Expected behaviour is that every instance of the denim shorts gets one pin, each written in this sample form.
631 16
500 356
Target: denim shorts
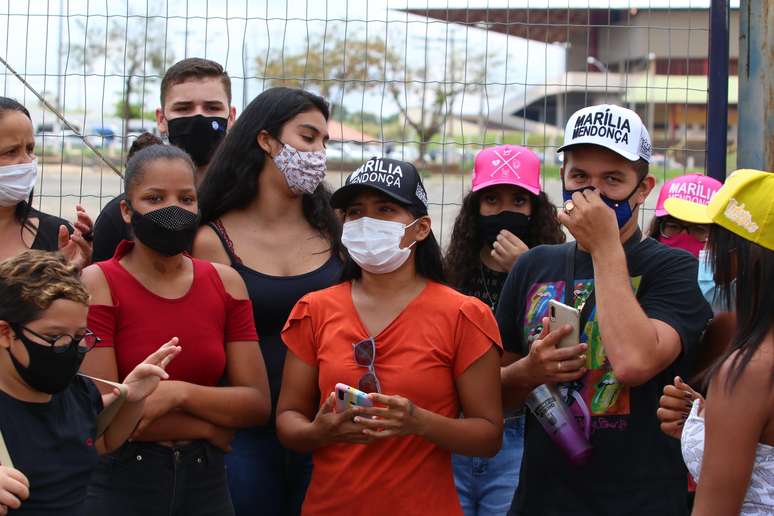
486 485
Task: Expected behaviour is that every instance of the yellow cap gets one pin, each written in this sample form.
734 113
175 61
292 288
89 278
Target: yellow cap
745 206
687 210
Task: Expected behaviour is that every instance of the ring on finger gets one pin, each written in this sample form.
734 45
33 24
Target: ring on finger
559 366
569 206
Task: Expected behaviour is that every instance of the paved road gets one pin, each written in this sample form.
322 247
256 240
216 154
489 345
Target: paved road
61 187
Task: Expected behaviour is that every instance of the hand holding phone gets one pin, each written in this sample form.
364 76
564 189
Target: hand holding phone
347 397
560 314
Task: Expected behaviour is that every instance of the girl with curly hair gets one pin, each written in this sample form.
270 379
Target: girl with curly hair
504 215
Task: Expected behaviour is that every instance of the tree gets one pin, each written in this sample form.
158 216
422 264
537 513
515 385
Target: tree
336 65
438 95
129 47
332 63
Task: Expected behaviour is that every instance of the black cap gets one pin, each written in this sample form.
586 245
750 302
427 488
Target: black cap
396 179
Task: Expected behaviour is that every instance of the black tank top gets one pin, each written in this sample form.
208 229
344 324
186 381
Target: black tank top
273 298
47 235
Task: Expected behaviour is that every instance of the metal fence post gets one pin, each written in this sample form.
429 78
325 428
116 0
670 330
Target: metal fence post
717 103
756 85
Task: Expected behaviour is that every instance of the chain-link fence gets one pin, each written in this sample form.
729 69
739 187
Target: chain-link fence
426 81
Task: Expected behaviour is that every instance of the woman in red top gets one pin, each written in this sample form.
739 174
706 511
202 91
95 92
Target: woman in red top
150 288
422 350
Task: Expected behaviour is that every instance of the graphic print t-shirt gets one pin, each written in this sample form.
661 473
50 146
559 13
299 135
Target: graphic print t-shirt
634 468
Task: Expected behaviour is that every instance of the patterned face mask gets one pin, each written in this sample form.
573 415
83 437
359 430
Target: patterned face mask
303 171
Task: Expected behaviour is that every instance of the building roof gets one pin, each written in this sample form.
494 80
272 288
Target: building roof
632 89
340 132
546 21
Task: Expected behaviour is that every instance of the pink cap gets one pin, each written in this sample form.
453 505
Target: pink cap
507 165
694 188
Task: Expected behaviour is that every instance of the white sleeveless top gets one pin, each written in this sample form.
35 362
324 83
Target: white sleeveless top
759 500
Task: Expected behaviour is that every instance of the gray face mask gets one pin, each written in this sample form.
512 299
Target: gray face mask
303 171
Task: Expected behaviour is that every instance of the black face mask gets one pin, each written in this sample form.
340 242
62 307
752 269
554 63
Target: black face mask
169 231
489 226
48 371
198 135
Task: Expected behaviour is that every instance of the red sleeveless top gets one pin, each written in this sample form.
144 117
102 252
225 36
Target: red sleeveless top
204 319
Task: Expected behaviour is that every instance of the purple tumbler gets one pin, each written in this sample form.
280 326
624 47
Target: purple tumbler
547 406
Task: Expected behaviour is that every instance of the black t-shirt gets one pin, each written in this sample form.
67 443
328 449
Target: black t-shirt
47 235
635 468
53 445
109 230
486 286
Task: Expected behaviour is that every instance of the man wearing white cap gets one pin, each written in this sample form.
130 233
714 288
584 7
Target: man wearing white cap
641 314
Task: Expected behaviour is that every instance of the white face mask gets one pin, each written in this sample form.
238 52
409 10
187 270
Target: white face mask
16 182
375 244
303 171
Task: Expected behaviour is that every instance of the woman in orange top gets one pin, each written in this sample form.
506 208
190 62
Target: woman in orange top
392 329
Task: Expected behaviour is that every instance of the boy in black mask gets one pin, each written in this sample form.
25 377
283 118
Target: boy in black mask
194 115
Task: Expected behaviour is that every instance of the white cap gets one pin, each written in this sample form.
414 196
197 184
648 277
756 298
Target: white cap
619 129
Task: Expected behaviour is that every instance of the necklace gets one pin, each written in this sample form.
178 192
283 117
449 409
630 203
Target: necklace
486 287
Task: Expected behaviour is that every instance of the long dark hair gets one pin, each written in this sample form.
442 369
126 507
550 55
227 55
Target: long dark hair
231 181
463 259
752 265
23 209
427 257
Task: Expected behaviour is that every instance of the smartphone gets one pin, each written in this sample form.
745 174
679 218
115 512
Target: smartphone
347 397
560 314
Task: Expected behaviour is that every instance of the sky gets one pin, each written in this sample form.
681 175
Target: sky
234 32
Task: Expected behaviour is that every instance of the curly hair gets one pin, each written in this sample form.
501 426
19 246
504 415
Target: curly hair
463 260
32 280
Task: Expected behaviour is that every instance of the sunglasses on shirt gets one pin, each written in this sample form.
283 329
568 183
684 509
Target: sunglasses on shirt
365 355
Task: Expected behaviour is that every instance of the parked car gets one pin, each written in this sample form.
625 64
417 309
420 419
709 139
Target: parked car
103 136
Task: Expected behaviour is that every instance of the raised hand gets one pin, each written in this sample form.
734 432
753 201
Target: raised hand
507 249
675 405
145 378
77 248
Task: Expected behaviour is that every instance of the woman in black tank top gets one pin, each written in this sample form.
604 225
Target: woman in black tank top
267 215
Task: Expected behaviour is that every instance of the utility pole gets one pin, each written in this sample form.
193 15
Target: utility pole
717 102
756 86
59 77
